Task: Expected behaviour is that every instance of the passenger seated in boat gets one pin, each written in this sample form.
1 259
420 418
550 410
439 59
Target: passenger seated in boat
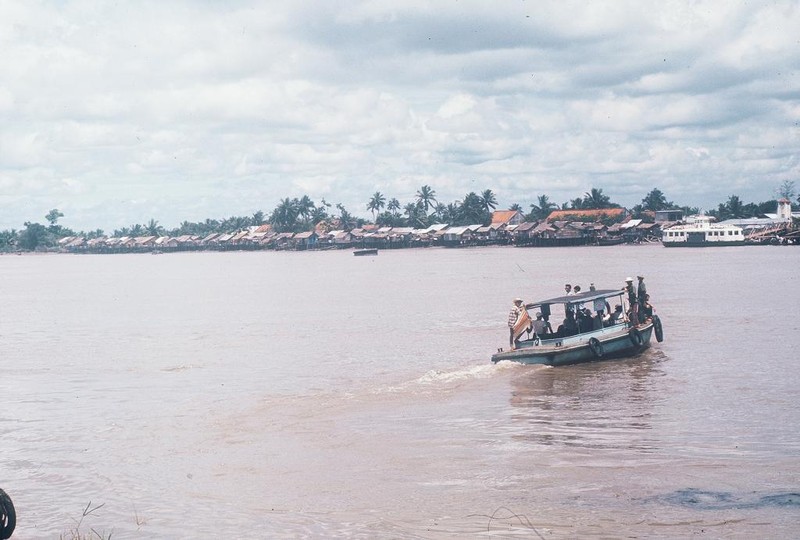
569 327
540 326
585 323
615 315
599 320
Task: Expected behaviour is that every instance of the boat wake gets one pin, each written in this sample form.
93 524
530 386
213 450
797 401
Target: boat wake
439 380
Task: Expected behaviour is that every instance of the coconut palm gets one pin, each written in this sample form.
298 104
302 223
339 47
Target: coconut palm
594 199
427 197
346 219
284 217
488 200
153 228
415 214
393 206
471 210
375 204
305 206
542 208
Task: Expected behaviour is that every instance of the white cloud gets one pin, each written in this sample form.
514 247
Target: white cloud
199 110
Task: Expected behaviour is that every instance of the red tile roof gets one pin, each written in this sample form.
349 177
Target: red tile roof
503 216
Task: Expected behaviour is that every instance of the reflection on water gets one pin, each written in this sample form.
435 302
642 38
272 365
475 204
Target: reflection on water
597 405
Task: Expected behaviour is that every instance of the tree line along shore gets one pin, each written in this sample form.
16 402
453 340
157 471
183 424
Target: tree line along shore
302 224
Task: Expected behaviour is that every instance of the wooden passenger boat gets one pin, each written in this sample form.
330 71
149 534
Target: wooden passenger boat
610 241
604 339
365 251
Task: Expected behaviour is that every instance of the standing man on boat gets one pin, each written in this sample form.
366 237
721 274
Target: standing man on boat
632 301
513 317
641 294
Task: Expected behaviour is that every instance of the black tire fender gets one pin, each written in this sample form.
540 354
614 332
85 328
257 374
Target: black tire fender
636 337
8 516
658 328
596 347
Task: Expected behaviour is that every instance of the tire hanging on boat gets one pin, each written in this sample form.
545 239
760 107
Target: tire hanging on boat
8 516
596 347
658 328
636 337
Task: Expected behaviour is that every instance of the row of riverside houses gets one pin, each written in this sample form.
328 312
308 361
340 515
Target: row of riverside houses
508 227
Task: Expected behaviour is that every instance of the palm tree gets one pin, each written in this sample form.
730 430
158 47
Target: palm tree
346 219
153 228
488 200
427 197
516 207
375 204
595 199
441 213
576 203
320 213
284 217
471 211
304 207
415 213
258 218
542 208
655 200
393 206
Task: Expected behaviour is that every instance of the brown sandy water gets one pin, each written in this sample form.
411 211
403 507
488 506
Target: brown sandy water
268 395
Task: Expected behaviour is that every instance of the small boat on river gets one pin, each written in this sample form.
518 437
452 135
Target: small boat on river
590 338
365 251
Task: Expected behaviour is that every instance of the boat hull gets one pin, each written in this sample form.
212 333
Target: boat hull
365 251
702 244
615 342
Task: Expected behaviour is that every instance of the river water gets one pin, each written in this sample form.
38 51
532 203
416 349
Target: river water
285 395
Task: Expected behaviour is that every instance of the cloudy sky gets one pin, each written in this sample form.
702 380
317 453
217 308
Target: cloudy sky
121 112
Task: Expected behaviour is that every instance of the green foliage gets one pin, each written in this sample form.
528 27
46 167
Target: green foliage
52 216
542 208
427 197
35 236
786 190
596 199
376 203
292 215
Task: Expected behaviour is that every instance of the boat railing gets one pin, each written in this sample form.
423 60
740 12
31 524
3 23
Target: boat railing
556 339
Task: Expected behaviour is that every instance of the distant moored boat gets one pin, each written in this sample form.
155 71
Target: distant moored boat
365 251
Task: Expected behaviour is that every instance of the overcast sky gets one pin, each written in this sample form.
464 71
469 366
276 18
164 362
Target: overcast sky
121 112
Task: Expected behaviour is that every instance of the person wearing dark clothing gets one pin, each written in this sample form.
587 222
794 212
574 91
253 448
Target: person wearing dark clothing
646 310
615 315
641 293
633 304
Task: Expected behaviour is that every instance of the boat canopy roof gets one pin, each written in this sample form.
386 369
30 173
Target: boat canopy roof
580 298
